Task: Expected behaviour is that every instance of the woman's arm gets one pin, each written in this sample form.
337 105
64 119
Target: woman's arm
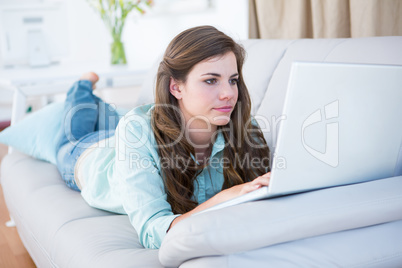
225 195
137 179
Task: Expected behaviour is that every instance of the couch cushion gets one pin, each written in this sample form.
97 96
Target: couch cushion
371 50
101 242
376 246
273 100
37 134
147 91
375 50
45 209
283 219
261 61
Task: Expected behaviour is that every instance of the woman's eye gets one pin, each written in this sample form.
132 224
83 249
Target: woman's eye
211 81
234 81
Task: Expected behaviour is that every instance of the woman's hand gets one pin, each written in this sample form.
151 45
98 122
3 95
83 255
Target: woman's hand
244 188
227 194
258 182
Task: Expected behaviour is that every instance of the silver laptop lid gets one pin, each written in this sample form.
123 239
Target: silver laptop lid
343 125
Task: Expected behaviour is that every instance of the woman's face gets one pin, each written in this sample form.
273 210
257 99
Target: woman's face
210 93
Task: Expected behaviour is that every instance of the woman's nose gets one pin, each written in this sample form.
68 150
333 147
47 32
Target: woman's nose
227 91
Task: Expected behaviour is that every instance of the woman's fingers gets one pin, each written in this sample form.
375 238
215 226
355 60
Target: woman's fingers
266 175
249 187
262 180
256 183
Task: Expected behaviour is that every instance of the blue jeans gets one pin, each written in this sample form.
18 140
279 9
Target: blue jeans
86 120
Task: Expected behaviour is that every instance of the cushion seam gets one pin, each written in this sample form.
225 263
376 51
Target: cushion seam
377 261
273 73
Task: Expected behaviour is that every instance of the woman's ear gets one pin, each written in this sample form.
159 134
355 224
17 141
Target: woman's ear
174 88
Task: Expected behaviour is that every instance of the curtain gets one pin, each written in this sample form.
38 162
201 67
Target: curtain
292 19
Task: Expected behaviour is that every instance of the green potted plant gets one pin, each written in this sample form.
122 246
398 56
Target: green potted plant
114 14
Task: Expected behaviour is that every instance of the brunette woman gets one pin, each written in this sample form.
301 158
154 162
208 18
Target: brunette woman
195 147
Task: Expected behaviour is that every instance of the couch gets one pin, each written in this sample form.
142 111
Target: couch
358 225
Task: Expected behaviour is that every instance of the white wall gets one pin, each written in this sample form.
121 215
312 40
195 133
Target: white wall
146 36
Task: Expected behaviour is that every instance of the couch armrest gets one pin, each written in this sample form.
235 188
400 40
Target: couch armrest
376 246
260 224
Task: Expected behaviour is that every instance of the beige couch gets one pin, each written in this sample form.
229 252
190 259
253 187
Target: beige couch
351 226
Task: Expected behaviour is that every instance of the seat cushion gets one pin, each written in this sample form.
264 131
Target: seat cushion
108 241
283 219
376 246
59 228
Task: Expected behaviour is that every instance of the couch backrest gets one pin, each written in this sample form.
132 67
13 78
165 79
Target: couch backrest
263 56
375 50
267 68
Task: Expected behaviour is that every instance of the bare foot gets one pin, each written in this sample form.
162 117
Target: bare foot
91 76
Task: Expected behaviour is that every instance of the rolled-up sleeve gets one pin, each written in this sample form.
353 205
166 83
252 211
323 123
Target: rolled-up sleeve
143 194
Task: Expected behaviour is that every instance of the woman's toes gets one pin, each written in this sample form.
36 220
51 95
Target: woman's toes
91 76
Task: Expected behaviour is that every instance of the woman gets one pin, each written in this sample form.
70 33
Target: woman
195 147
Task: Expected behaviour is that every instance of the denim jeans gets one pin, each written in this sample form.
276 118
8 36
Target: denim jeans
86 120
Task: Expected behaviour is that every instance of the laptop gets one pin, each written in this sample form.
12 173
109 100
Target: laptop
342 126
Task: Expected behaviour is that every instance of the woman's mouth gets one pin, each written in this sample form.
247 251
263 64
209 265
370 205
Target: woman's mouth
224 109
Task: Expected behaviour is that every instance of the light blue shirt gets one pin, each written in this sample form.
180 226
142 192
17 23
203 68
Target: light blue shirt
123 175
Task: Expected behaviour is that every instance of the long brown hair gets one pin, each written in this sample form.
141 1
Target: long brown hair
243 140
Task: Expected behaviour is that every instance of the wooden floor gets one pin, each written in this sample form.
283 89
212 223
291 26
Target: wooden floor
12 251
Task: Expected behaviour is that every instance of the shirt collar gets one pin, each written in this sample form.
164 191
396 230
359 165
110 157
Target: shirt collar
219 144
